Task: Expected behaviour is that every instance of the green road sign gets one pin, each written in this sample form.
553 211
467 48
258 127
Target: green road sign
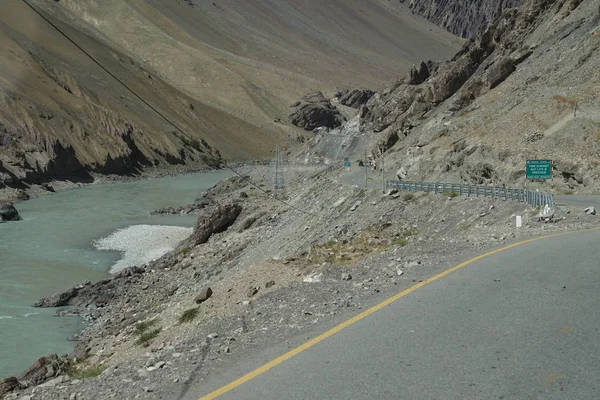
346 159
539 169
346 163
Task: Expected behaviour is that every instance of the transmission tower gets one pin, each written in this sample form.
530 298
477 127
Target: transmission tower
278 181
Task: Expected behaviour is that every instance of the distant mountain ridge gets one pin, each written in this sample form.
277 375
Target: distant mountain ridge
464 18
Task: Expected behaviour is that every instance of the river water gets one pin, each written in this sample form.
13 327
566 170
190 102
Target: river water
53 249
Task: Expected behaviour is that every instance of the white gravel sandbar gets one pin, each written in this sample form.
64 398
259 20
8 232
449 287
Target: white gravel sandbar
141 244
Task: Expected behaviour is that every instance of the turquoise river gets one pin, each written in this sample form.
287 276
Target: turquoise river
53 249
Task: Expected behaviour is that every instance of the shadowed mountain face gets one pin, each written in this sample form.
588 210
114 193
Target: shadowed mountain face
221 71
465 18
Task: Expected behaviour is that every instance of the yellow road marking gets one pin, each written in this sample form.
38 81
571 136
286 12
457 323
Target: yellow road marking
364 314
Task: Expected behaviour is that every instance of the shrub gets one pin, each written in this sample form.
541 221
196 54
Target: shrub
408 197
148 336
142 327
361 194
410 232
451 194
188 315
85 373
400 242
185 252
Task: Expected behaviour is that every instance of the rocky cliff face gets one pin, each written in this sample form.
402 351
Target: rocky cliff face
525 90
465 18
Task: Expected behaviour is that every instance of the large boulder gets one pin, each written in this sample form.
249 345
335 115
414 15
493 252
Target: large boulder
58 299
215 220
499 71
418 74
204 295
8 385
8 212
98 294
315 111
355 98
43 369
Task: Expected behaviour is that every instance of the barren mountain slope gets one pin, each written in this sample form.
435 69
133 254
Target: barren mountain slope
222 71
527 90
465 18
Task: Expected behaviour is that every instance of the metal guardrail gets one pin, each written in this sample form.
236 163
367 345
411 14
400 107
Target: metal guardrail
531 197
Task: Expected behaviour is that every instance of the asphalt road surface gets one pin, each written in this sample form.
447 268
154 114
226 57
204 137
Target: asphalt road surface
523 323
580 201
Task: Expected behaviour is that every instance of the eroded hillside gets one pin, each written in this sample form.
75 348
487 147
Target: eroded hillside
222 72
526 90
465 18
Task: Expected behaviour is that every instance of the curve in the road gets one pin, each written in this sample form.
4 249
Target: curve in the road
279 360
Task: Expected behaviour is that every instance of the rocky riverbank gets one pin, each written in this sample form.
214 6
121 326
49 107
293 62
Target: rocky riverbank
274 271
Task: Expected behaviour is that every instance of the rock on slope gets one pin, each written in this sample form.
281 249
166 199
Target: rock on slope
465 18
8 213
500 101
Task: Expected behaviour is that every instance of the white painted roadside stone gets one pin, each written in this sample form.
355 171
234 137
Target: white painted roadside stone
314 277
590 210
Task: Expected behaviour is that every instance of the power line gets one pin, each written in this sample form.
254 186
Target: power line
157 111
106 70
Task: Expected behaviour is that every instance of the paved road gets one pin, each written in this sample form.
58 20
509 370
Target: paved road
579 201
520 324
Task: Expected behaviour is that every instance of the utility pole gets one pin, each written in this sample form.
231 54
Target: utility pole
382 169
365 167
278 181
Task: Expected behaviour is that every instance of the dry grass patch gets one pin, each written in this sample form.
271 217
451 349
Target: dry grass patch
560 100
188 315
76 372
408 197
372 240
144 332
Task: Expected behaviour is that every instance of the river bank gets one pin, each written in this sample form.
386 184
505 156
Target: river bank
53 248
279 272
16 195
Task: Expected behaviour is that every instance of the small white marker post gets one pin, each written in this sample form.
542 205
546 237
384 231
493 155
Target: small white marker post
519 221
